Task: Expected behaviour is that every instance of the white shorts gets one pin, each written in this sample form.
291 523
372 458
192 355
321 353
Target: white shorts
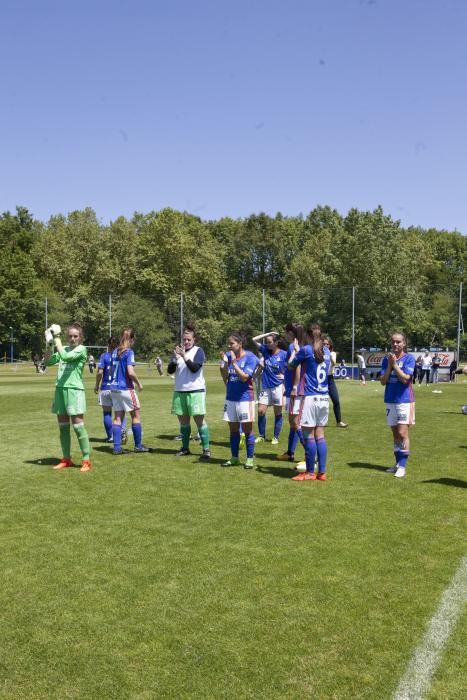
400 414
272 397
125 400
314 411
239 411
105 398
292 405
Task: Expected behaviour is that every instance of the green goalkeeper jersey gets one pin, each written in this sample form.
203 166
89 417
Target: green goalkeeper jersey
71 362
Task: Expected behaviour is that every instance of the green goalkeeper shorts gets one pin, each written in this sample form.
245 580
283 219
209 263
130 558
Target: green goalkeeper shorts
69 402
189 403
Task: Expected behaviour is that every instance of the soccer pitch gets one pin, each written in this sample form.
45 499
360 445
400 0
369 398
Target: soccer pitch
161 577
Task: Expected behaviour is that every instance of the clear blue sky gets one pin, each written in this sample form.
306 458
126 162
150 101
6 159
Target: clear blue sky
229 107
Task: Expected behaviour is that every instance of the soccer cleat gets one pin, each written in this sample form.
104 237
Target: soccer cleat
196 438
109 439
285 457
260 438
300 467
178 437
232 462
86 466
206 454
118 452
249 464
305 476
400 472
65 463
142 448
124 436
242 439
275 441
321 476
392 470
342 425
183 453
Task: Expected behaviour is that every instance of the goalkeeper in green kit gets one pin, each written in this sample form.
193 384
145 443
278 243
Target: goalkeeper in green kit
69 401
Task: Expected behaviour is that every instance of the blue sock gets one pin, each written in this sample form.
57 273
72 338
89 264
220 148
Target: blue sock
234 444
277 425
301 438
137 433
310 453
322 450
250 444
107 417
262 425
292 443
117 436
403 457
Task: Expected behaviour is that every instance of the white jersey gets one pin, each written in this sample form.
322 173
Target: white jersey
185 379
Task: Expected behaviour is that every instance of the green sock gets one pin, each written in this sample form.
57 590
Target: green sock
65 439
83 439
186 432
204 435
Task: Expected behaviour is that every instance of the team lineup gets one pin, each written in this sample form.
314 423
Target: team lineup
296 373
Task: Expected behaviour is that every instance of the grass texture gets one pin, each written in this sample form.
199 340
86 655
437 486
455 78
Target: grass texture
162 577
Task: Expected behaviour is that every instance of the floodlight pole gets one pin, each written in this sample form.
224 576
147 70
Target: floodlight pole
264 310
181 316
353 328
46 313
459 325
110 315
12 330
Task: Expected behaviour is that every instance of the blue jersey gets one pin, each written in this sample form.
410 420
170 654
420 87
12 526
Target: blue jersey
120 378
105 363
396 391
289 373
236 389
314 375
274 366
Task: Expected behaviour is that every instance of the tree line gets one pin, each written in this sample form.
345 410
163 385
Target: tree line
405 278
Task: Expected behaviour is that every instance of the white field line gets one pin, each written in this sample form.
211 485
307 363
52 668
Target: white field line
418 676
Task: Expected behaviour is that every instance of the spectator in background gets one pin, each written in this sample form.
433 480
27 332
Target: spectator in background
91 363
361 367
435 365
426 368
452 371
158 363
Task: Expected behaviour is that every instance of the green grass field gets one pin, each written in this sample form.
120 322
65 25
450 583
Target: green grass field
158 577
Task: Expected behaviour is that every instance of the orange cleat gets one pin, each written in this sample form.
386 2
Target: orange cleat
305 476
86 466
64 464
285 457
322 476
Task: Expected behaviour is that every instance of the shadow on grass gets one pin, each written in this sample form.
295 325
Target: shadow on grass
94 439
282 473
47 461
367 465
446 481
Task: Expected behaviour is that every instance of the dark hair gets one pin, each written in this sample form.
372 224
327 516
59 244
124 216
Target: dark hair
126 337
190 328
298 332
313 333
330 343
112 342
239 337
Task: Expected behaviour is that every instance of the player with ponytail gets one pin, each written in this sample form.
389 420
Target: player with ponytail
314 360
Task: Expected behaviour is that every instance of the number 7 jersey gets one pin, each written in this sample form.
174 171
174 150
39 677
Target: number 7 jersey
314 375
